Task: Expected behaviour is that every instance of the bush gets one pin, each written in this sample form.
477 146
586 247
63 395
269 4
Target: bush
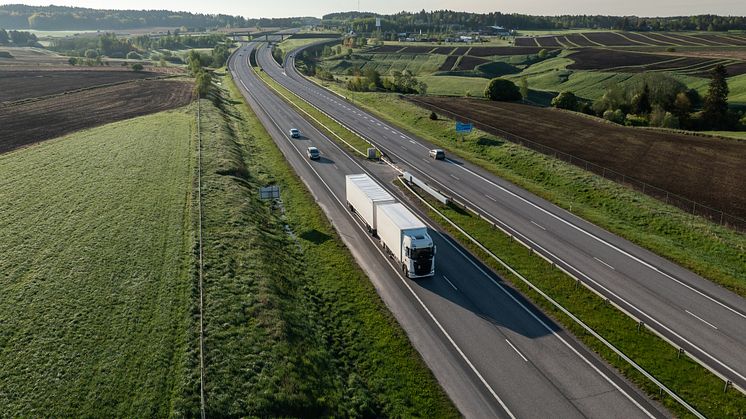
137 67
502 90
90 53
566 100
132 55
614 116
670 121
632 120
433 116
72 61
543 53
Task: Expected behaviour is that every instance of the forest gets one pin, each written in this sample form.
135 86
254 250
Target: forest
440 21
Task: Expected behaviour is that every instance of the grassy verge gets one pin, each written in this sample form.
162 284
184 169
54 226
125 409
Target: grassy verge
685 377
338 133
710 250
95 288
294 328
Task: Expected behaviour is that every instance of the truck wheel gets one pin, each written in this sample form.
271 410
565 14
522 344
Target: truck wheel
350 207
405 270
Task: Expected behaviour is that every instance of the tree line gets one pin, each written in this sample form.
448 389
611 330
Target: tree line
18 38
660 101
77 18
444 21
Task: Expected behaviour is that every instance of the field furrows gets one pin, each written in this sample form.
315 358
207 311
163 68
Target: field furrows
31 122
704 169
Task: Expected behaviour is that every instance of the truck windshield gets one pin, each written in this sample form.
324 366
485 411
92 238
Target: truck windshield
422 254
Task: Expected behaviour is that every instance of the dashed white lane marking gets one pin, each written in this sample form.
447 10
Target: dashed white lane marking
449 281
606 264
537 225
516 350
702 320
491 198
455 177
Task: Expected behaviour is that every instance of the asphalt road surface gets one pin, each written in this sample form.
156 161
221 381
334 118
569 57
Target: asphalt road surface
493 352
704 319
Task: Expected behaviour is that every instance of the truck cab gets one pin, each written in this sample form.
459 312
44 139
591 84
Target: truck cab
419 256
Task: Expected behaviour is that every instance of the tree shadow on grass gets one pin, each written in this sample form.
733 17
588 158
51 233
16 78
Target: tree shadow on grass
315 236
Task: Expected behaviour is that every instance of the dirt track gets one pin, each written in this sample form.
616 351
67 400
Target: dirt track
707 170
30 122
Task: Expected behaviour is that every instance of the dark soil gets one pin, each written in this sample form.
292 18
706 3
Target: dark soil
469 63
449 62
25 84
704 169
29 122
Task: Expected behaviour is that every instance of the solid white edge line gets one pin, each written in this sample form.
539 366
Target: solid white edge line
422 304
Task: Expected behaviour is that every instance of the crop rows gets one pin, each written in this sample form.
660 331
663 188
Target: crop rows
617 39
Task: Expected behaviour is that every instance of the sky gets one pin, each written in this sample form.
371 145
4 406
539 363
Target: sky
264 8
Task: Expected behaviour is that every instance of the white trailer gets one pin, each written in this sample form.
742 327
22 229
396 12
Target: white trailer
405 237
363 195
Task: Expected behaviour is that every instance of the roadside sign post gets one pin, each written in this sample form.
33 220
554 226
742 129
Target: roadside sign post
464 128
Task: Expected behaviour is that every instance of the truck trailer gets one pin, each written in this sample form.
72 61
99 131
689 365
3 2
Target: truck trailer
401 233
363 195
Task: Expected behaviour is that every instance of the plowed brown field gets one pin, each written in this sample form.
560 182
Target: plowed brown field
32 121
707 170
17 85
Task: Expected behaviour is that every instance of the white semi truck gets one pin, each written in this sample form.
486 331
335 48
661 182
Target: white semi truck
402 234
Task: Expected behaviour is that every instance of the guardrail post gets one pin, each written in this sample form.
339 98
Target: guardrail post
640 325
679 353
727 384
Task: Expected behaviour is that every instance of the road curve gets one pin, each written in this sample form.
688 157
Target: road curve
704 319
493 352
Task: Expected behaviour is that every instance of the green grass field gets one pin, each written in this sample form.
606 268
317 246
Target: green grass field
293 326
455 86
95 283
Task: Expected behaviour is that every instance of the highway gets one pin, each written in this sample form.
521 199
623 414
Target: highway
704 319
494 353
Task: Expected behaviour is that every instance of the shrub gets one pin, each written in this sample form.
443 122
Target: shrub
433 116
137 67
132 55
90 53
502 90
632 120
670 121
614 116
72 61
566 100
543 53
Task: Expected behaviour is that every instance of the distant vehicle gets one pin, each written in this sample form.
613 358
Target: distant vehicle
402 234
438 154
313 153
294 133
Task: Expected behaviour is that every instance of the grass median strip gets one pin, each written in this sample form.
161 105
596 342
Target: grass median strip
684 376
710 250
293 326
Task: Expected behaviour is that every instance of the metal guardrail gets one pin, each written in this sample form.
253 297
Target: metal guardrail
425 187
686 204
565 311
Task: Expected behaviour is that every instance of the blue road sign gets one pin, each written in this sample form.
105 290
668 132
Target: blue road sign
464 127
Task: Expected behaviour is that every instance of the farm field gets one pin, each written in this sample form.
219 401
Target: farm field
96 290
703 169
24 58
633 62
33 121
25 84
623 39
